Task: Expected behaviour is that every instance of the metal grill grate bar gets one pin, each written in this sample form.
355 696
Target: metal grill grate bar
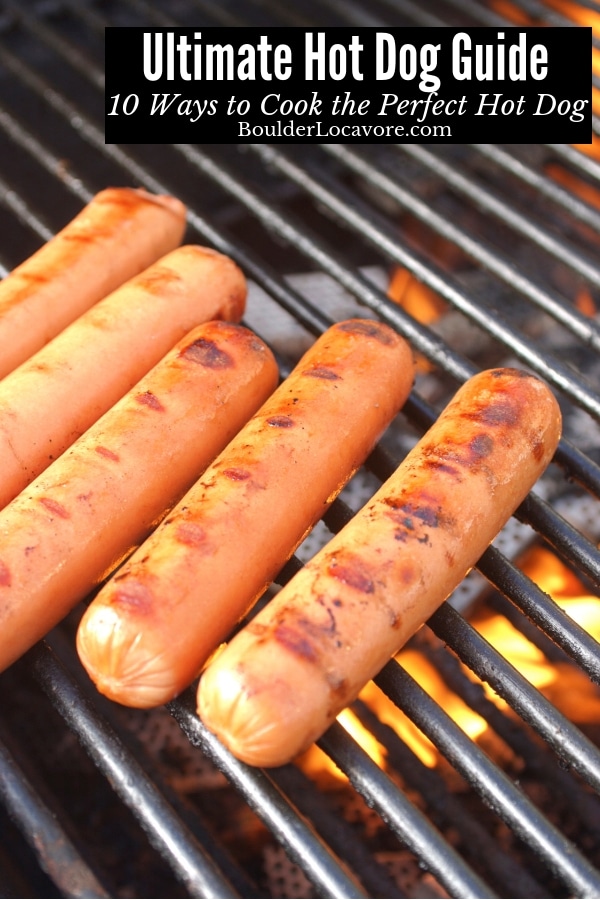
49 161
502 796
445 805
494 261
578 160
411 826
421 337
544 186
483 198
491 667
165 829
22 211
264 797
61 860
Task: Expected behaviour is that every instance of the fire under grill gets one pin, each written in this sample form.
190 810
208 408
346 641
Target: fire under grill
471 766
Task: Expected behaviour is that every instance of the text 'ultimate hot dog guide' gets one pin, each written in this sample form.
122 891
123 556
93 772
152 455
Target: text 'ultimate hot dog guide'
231 85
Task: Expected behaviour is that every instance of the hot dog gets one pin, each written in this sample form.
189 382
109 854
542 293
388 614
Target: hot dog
164 613
284 678
118 234
52 398
69 528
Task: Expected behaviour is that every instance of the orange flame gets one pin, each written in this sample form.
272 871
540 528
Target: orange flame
361 735
429 678
417 299
585 302
316 763
569 689
422 303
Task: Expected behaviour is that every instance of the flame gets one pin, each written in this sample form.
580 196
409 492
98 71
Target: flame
417 665
585 302
314 762
569 689
351 723
422 303
389 714
564 587
417 299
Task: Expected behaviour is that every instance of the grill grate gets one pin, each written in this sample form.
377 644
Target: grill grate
525 244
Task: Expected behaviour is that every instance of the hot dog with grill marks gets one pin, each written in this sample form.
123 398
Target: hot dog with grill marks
284 677
68 529
164 613
118 234
52 398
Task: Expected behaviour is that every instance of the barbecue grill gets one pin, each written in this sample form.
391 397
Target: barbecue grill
495 249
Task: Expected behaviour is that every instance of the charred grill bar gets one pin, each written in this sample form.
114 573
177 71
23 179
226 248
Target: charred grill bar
526 244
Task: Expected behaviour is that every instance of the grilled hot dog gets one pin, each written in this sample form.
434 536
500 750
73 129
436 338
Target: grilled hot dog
64 532
284 678
167 609
118 234
52 398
